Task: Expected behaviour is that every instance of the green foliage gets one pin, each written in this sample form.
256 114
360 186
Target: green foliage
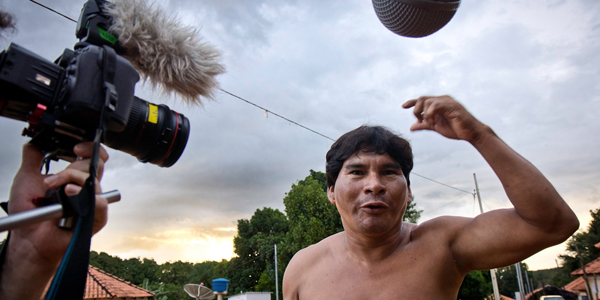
167 278
312 217
265 282
585 242
507 279
159 294
204 272
476 286
412 215
254 248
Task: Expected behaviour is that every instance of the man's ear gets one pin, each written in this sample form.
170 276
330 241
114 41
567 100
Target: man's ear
409 195
331 194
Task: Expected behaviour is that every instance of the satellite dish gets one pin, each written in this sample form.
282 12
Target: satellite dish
199 292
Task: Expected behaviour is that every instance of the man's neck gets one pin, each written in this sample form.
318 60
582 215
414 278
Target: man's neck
368 249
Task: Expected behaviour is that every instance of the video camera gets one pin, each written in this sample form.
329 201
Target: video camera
87 88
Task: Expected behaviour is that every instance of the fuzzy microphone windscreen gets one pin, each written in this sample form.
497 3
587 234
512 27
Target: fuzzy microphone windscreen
171 56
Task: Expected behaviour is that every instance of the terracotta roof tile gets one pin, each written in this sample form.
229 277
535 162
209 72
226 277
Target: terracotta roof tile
592 267
576 285
101 285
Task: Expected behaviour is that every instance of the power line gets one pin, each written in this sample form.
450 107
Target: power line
429 212
50 9
470 193
268 111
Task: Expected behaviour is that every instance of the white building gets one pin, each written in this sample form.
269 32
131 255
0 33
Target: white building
251 296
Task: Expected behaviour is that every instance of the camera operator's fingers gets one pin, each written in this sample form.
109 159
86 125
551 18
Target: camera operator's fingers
32 158
84 151
73 178
27 183
101 214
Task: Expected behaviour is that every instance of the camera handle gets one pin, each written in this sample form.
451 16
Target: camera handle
49 212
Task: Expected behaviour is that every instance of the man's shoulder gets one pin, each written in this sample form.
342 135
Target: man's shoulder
440 228
308 262
319 251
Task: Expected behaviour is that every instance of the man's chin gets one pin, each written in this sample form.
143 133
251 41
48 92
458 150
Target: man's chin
376 228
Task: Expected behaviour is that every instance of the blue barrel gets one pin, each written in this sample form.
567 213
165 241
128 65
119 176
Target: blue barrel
220 285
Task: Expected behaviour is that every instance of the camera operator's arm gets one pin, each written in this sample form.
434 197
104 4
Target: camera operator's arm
35 251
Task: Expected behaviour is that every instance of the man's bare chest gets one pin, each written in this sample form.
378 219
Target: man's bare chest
411 276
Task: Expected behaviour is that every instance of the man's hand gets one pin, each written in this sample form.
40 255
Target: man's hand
35 251
540 217
446 116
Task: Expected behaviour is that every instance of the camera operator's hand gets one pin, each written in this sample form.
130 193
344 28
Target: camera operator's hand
35 251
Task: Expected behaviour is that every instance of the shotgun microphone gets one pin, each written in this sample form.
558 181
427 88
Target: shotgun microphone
415 18
170 55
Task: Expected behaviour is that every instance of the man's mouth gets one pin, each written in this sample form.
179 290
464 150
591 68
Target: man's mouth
374 206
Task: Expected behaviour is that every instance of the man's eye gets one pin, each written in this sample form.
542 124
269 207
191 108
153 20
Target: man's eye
356 172
390 172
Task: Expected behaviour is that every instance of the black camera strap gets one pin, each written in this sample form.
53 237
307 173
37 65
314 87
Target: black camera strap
71 276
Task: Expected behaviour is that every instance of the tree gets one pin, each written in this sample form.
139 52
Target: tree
476 286
107 263
507 279
203 272
254 247
412 215
586 242
312 217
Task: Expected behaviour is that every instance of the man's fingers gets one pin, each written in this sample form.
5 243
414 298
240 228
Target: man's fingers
420 105
409 103
420 126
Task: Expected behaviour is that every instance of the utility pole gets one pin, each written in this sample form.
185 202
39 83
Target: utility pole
520 280
492 271
276 276
585 278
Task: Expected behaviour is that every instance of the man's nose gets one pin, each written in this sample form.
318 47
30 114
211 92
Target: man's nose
374 185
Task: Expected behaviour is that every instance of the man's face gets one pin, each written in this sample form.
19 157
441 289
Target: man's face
370 193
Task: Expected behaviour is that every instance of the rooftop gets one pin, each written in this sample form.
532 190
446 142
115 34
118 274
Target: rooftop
102 285
576 285
592 267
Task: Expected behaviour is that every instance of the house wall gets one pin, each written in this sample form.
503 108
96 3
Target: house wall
251 296
593 281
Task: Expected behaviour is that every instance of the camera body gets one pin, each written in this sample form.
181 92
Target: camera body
85 89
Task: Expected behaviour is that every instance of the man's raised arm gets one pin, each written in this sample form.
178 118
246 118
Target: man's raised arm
540 217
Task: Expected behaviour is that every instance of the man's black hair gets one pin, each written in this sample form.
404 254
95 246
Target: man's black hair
369 139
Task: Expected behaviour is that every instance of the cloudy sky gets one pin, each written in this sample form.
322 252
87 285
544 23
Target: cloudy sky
529 69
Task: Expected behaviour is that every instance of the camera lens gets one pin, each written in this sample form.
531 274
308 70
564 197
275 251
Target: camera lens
154 134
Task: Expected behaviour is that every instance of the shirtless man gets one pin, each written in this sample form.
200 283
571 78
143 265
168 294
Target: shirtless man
380 257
